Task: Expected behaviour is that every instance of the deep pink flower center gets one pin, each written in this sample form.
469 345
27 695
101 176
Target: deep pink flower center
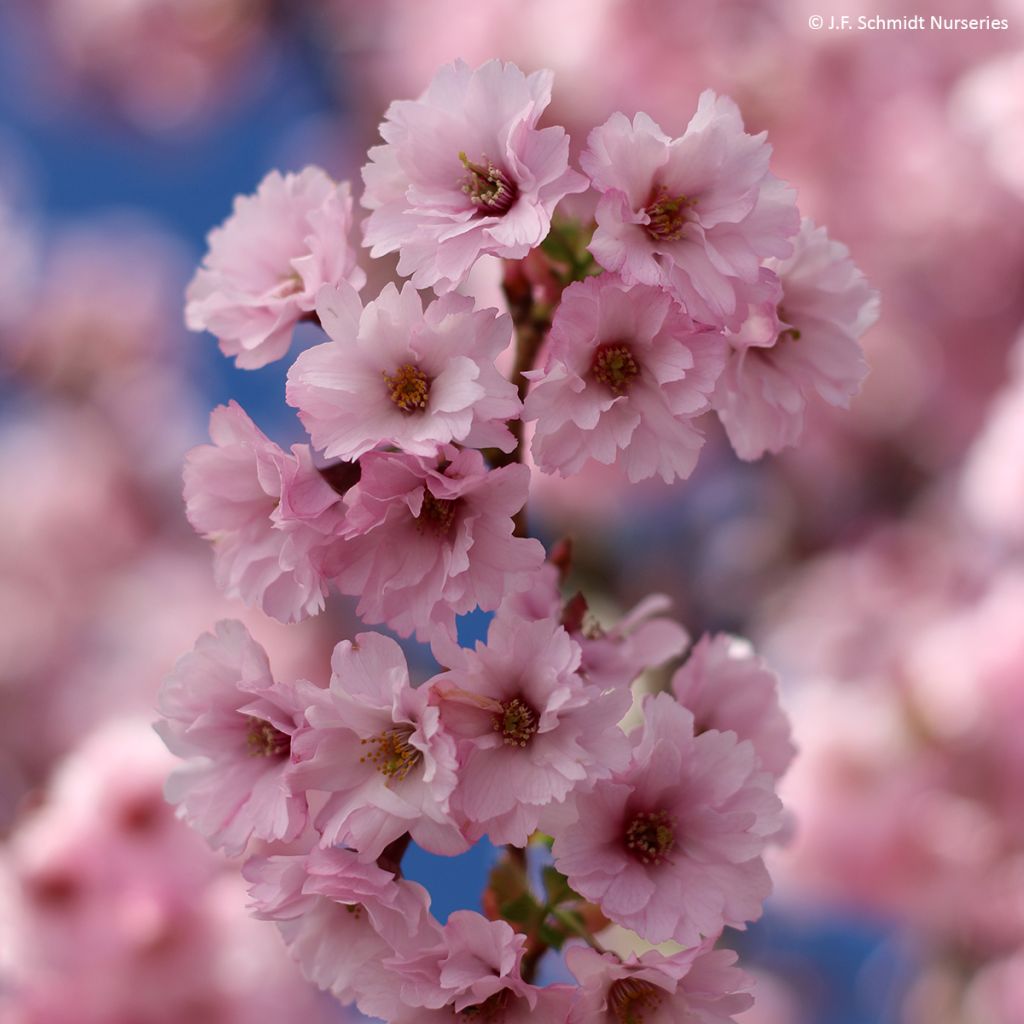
650 836
667 215
437 514
264 740
632 999
408 388
391 753
488 187
490 1011
517 722
615 367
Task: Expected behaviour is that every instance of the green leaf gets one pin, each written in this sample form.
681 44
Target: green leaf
556 886
522 910
551 936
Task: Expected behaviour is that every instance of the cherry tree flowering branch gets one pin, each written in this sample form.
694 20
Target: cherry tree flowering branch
698 289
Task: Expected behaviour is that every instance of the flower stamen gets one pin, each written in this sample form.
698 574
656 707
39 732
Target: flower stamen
650 837
631 999
264 740
614 366
489 188
408 388
517 722
667 215
437 513
392 754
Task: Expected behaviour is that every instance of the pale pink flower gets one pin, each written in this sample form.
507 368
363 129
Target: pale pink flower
699 985
268 260
223 711
271 516
728 687
671 847
341 918
826 305
697 214
377 747
475 974
531 729
430 539
465 172
609 656
394 373
627 372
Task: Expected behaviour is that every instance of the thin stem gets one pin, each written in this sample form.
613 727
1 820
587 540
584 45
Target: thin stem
577 928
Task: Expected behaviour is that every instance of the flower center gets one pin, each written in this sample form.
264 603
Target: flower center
437 513
489 188
651 836
791 332
266 741
517 722
667 215
490 1011
408 388
615 367
631 999
392 754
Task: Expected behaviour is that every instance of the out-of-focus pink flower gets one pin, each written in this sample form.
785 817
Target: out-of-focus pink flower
699 984
728 687
119 912
161 64
826 305
696 215
267 261
671 847
272 516
394 373
430 539
376 746
465 172
531 730
992 483
341 918
627 372
223 711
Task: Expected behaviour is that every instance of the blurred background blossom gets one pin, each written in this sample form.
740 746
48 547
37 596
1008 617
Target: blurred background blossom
880 566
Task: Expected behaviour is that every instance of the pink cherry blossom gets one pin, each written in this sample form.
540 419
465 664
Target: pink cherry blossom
376 746
609 656
394 373
697 214
430 539
531 729
223 711
465 171
826 305
271 516
341 918
671 847
728 687
475 974
627 372
267 261
699 984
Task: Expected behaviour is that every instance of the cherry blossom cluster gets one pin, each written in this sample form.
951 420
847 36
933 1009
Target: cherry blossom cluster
695 289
